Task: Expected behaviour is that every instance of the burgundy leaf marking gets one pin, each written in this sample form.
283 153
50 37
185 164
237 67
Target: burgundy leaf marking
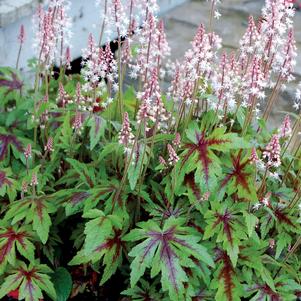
190 182
282 217
9 237
5 140
238 173
202 147
225 220
3 179
167 255
112 242
13 84
79 197
227 273
267 291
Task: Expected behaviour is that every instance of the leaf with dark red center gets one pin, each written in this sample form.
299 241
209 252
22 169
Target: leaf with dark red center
283 217
4 180
35 210
14 238
167 251
230 228
284 220
5 141
11 82
103 240
283 287
239 178
30 281
227 284
8 185
203 153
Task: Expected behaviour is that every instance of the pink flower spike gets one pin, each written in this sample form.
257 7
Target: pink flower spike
177 141
24 186
21 36
27 152
272 152
77 123
49 145
68 58
162 161
126 138
286 129
173 158
34 180
254 158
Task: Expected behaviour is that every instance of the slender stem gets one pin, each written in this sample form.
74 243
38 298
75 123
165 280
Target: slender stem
211 15
127 165
18 57
103 23
294 132
261 188
120 100
291 252
290 164
272 99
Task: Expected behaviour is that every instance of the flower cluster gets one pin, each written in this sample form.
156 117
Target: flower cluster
285 129
152 49
126 137
272 152
98 65
52 30
152 108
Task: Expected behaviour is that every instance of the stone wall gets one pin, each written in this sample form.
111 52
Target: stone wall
85 17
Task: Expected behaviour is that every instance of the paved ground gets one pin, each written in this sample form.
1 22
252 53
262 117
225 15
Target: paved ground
182 22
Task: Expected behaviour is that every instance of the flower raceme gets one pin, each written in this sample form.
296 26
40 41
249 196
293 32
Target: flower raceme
126 138
285 130
272 152
52 30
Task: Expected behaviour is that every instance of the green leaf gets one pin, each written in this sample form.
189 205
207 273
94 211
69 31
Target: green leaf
251 221
167 251
135 167
12 239
97 128
30 280
85 174
35 210
103 241
62 282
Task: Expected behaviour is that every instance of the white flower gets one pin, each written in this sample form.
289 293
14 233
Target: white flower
217 14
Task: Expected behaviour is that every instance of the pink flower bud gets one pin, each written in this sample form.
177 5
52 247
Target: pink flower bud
254 158
173 158
27 152
49 146
125 136
162 161
286 129
272 152
24 186
177 141
77 123
21 36
34 180
68 58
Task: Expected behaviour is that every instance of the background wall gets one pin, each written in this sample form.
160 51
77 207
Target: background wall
85 16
